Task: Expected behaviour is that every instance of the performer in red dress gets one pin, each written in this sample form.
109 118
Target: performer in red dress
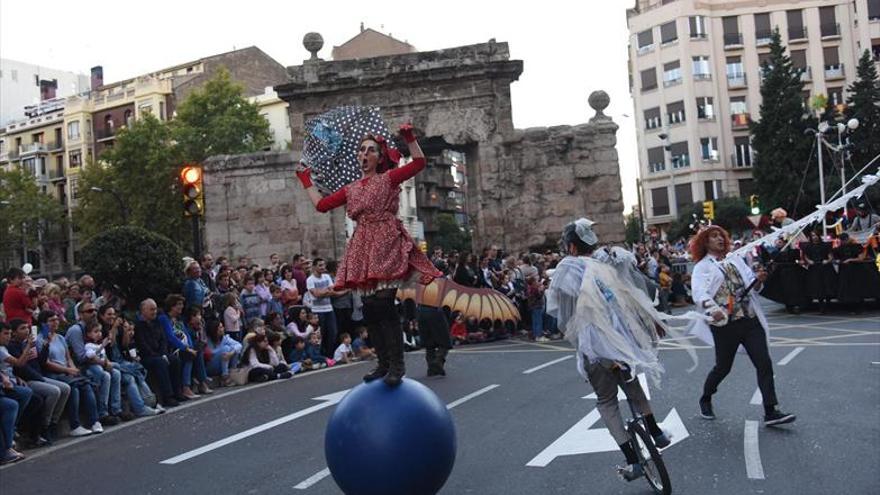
381 256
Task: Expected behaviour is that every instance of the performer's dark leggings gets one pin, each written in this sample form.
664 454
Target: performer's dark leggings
383 323
749 333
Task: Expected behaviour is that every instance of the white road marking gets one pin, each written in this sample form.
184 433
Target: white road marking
328 401
791 355
311 480
757 398
551 363
471 396
580 439
754 469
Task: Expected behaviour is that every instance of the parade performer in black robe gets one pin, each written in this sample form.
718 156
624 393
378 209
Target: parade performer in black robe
858 277
787 281
822 283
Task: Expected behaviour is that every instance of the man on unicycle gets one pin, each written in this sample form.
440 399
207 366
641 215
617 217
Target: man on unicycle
604 312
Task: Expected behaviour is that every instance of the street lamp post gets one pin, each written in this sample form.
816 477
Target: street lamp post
823 128
118 198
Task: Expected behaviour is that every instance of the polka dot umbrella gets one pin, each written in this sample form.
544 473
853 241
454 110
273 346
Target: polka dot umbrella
332 140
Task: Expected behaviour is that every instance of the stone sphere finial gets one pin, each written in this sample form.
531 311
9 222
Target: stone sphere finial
599 101
313 42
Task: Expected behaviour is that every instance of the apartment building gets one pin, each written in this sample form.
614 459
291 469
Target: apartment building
695 76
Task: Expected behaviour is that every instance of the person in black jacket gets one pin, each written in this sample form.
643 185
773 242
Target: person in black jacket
149 336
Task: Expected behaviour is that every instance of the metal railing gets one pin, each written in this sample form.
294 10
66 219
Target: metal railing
736 80
834 71
796 33
763 37
829 30
733 39
105 133
34 148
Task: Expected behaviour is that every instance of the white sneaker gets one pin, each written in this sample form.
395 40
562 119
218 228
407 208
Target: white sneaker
159 408
79 431
148 411
542 339
97 428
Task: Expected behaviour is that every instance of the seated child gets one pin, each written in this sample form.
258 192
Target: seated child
263 361
313 352
459 331
360 348
344 353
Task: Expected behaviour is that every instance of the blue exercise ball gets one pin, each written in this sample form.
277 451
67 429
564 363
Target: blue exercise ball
385 440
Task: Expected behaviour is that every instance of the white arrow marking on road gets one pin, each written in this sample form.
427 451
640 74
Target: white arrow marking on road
328 401
621 395
580 439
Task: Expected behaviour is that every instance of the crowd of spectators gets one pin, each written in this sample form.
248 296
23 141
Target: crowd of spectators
76 351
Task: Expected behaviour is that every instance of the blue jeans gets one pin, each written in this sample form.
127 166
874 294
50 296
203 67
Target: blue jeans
79 391
190 362
167 373
219 366
8 413
328 332
537 322
109 387
21 395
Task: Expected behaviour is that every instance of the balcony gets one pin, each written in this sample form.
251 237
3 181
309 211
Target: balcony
762 38
797 34
736 81
55 145
681 161
830 31
834 71
34 148
702 76
806 73
642 50
740 120
672 81
733 41
56 174
14 154
105 134
430 201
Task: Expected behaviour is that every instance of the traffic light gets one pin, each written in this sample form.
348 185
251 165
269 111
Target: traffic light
753 204
193 192
709 210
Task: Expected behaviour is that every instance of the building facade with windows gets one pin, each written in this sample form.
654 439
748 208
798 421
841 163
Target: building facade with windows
695 78
21 85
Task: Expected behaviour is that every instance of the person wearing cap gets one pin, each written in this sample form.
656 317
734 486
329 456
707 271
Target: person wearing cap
864 220
726 289
614 328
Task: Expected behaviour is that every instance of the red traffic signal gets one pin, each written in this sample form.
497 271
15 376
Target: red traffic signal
193 192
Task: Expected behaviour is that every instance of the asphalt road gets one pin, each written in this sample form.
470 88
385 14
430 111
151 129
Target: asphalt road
518 432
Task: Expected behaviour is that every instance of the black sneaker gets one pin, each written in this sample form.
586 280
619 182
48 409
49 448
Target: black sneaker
706 408
777 417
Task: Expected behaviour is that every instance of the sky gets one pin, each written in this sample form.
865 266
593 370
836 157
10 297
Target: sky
568 48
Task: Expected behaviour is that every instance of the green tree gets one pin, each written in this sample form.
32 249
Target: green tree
730 213
28 217
864 104
217 119
449 235
142 168
633 231
139 262
781 149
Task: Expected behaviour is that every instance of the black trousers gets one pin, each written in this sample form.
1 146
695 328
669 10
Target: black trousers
749 333
383 324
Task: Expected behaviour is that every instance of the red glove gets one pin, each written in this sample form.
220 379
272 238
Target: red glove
406 130
305 177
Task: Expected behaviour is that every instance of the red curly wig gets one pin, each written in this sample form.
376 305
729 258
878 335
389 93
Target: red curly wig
699 244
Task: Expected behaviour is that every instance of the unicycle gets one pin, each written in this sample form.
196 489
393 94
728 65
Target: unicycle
649 457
